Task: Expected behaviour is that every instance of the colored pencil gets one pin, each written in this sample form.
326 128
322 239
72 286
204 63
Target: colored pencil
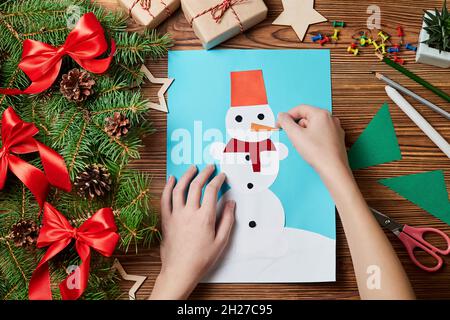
420 121
414 77
413 95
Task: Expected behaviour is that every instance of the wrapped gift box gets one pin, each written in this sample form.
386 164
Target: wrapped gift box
215 21
150 13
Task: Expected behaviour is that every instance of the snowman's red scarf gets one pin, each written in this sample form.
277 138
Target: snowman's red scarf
253 148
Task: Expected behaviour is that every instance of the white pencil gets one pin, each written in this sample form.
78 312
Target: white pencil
420 121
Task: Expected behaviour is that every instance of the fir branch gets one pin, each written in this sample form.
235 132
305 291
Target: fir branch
10 292
114 88
129 74
10 83
60 136
37 119
43 31
11 29
77 148
16 262
133 48
23 201
76 131
23 14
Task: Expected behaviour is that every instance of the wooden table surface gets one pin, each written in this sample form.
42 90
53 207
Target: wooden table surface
357 95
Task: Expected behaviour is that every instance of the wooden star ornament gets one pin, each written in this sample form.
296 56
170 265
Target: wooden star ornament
166 82
299 14
139 280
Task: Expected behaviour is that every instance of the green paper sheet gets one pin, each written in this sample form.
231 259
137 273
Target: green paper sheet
426 190
377 144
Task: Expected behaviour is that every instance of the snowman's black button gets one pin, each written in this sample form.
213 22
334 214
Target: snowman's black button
247 157
252 224
250 185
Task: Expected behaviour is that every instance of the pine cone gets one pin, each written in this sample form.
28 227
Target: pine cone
93 182
24 233
76 85
117 126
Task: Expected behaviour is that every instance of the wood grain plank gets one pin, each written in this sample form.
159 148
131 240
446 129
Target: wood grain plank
357 95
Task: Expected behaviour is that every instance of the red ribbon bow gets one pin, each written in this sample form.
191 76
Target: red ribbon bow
97 232
17 138
41 62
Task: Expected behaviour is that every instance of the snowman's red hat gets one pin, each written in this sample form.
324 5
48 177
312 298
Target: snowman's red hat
248 89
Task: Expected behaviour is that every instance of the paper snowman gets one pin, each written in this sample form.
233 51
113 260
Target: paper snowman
260 242
250 161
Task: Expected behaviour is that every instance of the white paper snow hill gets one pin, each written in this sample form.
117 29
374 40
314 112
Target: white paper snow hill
261 248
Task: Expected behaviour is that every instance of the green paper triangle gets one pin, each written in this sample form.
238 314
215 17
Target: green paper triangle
426 190
377 144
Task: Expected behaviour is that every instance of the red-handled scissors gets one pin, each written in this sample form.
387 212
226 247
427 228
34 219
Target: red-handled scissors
413 238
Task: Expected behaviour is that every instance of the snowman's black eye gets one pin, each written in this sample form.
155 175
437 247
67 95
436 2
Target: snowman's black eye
261 116
238 118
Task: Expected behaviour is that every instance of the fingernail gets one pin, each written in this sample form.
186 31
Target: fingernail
211 166
170 178
231 203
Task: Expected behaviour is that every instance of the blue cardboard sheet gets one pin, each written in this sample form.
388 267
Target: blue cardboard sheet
199 104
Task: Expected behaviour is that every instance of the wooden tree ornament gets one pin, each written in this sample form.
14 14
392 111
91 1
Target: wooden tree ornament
166 82
299 14
139 280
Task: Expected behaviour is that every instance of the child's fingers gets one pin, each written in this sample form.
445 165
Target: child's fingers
226 223
211 193
196 187
337 121
289 125
179 191
166 198
302 111
303 123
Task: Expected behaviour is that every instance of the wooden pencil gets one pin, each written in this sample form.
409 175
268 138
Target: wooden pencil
414 77
413 95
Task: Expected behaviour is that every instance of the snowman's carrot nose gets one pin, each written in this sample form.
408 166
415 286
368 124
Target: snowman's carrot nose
261 127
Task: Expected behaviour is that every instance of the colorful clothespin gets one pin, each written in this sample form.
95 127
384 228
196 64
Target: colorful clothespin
383 48
353 48
399 60
400 34
335 35
383 36
409 46
393 49
317 37
324 40
338 24
363 41
376 45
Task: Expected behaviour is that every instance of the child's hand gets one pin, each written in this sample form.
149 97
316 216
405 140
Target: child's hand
192 242
317 136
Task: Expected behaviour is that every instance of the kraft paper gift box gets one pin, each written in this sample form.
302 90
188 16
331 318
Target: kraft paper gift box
150 13
215 21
